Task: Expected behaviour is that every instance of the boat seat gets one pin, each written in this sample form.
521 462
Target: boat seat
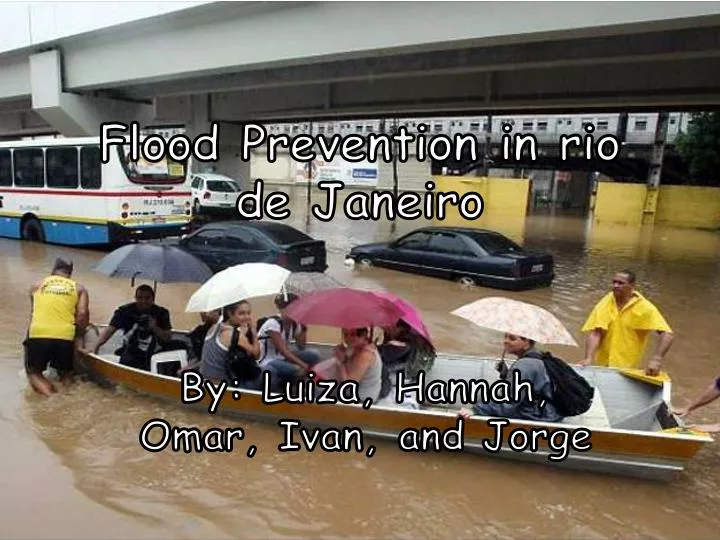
157 359
595 417
166 357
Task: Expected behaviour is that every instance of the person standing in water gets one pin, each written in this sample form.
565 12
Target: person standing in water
59 314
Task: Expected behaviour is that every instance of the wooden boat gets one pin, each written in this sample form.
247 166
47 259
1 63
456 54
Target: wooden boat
632 431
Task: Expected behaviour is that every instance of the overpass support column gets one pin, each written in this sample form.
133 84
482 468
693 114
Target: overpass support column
655 172
70 114
229 140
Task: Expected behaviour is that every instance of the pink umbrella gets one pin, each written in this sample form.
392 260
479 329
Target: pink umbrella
409 314
343 308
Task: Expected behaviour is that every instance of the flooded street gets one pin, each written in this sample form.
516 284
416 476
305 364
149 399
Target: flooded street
73 466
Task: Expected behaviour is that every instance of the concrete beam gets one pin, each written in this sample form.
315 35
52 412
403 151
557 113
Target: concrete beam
70 114
22 123
15 105
650 47
14 77
238 37
677 84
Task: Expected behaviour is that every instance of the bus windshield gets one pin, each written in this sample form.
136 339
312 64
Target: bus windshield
166 171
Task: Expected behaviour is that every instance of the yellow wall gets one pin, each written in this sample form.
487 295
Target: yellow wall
676 206
505 203
620 203
689 206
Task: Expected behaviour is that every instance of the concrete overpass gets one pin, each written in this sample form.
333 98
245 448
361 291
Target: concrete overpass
213 61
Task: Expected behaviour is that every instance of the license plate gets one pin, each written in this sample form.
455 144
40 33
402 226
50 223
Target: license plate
536 268
158 220
307 260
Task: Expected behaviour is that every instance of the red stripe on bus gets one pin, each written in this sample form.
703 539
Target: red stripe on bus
101 193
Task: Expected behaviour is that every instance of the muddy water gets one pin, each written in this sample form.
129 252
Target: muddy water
73 466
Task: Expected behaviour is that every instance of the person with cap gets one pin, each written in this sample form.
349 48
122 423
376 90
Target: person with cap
59 314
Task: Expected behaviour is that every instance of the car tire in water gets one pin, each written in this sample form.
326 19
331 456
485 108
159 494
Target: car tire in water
365 262
32 231
466 281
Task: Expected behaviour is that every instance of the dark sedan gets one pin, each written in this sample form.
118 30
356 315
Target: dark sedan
470 256
224 244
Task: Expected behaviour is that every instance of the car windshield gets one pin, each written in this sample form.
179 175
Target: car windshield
284 235
495 243
221 186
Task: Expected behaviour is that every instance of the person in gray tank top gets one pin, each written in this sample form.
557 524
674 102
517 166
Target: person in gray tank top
214 362
364 364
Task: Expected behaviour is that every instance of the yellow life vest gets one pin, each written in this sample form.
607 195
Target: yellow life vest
54 306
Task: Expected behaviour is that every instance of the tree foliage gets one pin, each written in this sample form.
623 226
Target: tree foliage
700 146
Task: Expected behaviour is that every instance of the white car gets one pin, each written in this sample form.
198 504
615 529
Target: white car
213 193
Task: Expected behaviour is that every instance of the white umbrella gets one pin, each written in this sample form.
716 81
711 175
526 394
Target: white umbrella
237 283
518 318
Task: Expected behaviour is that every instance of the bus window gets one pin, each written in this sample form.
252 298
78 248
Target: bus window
5 168
62 167
165 171
90 167
29 167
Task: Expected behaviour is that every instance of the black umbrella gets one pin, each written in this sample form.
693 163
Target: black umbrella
164 264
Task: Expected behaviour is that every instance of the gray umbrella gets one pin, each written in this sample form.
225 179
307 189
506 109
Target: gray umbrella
302 283
163 264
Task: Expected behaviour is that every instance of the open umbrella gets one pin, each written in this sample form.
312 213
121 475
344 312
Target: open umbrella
343 308
248 280
163 264
409 313
301 283
518 318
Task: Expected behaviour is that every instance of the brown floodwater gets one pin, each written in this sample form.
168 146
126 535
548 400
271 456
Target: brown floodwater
73 466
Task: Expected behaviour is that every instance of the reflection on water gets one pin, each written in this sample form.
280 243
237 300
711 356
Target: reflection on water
91 434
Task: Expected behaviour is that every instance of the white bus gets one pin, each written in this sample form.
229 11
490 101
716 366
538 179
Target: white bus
58 191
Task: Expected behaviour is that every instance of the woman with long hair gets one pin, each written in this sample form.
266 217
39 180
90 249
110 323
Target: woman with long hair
220 355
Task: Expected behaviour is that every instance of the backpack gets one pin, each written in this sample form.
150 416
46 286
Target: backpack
262 320
391 364
422 359
240 365
572 394
419 357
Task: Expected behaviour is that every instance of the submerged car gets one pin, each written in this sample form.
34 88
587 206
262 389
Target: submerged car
227 243
469 256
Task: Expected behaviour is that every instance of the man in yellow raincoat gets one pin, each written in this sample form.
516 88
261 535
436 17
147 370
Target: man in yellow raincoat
620 325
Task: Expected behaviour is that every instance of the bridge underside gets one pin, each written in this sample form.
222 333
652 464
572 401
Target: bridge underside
243 61
628 73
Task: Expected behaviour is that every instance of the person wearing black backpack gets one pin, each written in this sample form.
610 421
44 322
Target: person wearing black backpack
232 348
531 368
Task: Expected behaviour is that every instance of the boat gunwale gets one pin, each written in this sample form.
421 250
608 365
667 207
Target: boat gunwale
398 411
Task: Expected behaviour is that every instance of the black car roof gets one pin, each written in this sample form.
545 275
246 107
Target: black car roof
460 230
259 225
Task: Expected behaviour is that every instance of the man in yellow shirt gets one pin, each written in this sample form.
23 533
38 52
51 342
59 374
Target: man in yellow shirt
59 314
620 325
